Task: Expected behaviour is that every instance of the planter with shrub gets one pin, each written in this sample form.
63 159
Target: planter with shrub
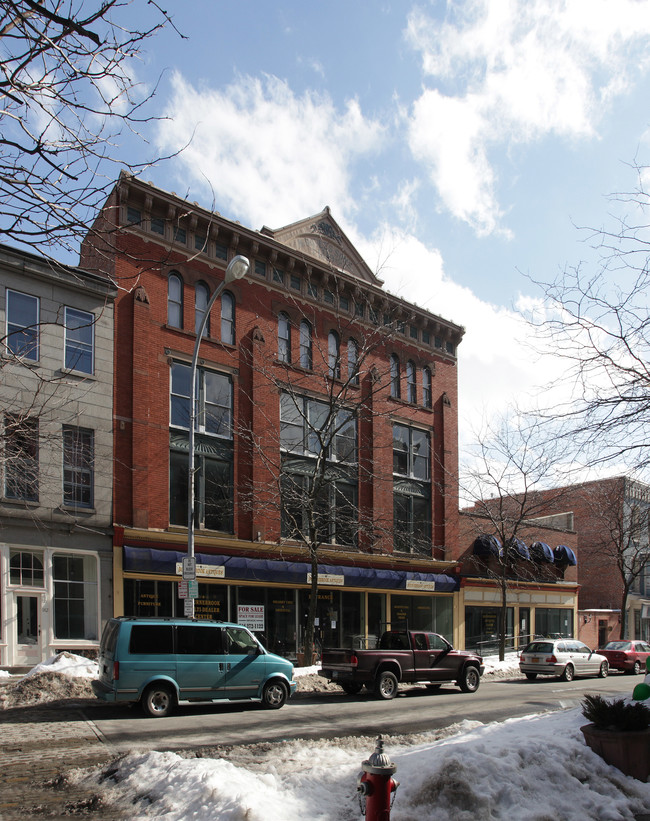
619 733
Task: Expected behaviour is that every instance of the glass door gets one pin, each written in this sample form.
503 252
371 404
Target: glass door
28 630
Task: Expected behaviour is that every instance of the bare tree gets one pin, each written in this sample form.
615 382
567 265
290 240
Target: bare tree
507 476
598 323
69 97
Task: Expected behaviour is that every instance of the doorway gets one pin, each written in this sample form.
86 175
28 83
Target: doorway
28 631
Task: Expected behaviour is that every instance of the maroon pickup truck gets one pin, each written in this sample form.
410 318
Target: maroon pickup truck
402 655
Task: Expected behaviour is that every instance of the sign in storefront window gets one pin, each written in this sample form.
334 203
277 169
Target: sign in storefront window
251 616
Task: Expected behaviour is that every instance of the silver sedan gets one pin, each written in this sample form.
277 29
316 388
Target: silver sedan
564 658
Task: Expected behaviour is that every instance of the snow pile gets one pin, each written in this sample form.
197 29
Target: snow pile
64 676
530 769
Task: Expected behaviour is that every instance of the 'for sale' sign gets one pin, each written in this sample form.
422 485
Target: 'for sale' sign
251 616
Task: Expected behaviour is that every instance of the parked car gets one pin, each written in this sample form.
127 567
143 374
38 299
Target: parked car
627 655
409 656
161 661
564 658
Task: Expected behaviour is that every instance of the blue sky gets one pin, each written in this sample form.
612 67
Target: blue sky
458 144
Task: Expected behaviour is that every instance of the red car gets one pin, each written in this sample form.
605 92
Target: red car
626 654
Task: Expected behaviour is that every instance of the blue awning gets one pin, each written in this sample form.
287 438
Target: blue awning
520 549
240 568
564 555
541 552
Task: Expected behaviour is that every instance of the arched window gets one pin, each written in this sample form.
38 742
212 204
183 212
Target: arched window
305 345
334 355
411 386
394 377
284 338
353 362
228 318
201 299
426 387
175 301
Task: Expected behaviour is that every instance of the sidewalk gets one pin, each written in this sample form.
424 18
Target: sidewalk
38 745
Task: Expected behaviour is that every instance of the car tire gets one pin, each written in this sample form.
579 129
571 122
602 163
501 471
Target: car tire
352 688
531 676
637 668
159 700
274 694
470 679
386 685
568 673
603 671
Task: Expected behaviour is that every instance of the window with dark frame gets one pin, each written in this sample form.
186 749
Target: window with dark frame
79 340
353 362
21 467
78 466
395 377
284 337
158 225
201 299
411 490
426 387
227 318
22 337
411 383
175 301
306 350
334 355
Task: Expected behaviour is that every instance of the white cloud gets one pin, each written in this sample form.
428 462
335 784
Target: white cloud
515 71
268 152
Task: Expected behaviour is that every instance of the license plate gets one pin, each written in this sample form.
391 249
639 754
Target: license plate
534 661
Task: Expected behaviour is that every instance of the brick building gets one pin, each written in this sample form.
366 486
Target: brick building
306 362
56 457
612 521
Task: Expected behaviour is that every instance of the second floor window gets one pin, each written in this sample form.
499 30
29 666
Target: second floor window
22 325
227 318
21 458
426 387
353 362
175 301
284 338
411 452
334 355
201 299
305 345
79 340
309 427
411 387
78 466
395 391
213 412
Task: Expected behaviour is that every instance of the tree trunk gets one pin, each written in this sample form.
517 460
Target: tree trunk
311 613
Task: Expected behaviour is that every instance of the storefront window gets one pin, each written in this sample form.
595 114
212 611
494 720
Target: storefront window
144 597
553 622
482 628
430 613
75 596
212 603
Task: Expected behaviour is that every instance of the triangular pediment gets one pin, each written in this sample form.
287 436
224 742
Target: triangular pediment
321 238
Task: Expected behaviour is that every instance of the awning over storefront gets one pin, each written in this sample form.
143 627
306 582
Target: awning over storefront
541 552
239 568
564 554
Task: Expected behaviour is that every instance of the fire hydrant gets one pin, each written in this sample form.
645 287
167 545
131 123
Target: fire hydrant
376 785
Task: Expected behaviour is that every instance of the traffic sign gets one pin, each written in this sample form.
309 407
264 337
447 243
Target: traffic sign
189 568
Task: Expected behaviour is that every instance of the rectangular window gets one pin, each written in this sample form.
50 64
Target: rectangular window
78 466
151 639
260 268
450 348
213 491
79 340
332 507
344 303
312 290
213 413
308 427
201 242
278 275
22 325
180 235
328 297
21 458
75 596
295 282
411 490
410 452
413 332
133 215
426 337
358 309
158 225
220 250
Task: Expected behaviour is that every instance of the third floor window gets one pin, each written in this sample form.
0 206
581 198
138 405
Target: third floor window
213 412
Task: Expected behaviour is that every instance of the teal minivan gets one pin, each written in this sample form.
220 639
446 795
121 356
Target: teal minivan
162 661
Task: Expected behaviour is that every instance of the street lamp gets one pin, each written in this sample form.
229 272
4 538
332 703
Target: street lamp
237 269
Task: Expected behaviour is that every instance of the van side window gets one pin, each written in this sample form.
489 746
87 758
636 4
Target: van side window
151 639
204 641
240 640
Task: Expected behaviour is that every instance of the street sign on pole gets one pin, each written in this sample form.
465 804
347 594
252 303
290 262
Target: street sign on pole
189 608
189 568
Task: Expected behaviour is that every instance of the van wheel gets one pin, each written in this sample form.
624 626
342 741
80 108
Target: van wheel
274 695
158 700
470 680
386 685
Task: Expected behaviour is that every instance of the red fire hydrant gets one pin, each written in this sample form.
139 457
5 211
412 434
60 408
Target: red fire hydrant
376 785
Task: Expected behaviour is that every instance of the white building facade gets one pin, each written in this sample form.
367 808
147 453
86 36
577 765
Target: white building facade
56 454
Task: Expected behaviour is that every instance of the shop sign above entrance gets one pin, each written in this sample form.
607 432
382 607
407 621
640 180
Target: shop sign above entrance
328 578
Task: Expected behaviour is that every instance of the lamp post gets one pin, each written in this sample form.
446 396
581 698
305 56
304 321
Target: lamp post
237 269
